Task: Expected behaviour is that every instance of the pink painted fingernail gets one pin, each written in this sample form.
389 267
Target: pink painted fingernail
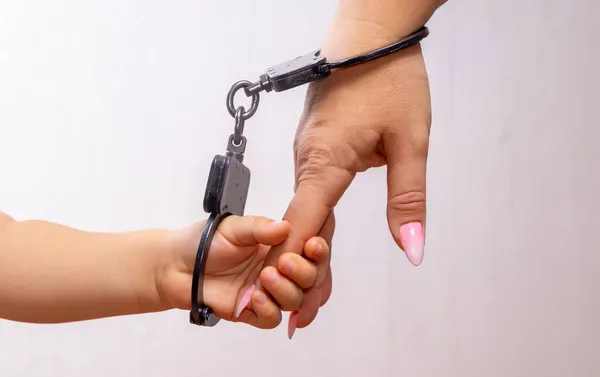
413 241
292 324
244 301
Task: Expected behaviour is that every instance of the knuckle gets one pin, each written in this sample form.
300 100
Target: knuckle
312 156
408 139
408 204
319 163
320 144
312 123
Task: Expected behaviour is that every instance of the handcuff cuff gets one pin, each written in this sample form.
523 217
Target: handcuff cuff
229 179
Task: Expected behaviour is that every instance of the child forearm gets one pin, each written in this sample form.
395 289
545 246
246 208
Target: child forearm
51 273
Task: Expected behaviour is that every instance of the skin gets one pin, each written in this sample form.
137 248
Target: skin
367 116
50 273
363 117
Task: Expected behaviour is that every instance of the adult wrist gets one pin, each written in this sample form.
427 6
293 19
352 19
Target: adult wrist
363 25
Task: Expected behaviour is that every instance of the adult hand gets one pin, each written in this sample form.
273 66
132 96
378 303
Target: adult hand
365 116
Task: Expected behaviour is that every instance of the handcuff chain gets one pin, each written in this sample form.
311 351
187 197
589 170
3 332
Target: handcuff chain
240 114
243 84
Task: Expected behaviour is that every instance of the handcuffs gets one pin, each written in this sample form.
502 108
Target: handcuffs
229 179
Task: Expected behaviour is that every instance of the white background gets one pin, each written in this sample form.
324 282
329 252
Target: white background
111 111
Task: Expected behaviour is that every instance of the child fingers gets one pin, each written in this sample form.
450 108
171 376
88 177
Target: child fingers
287 294
298 269
267 312
315 297
264 314
254 230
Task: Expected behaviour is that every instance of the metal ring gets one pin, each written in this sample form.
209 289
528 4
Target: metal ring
238 131
232 92
200 314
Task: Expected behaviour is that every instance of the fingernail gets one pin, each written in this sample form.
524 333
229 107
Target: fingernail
413 241
292 324
244 301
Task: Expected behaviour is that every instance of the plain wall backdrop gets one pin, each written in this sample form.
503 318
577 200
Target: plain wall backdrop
110 114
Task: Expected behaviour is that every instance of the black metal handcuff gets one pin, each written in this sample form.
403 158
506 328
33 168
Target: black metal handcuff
229 179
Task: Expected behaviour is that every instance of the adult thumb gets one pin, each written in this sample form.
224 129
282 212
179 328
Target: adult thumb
406 152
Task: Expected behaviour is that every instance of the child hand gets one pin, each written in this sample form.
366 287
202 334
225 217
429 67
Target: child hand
235 260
